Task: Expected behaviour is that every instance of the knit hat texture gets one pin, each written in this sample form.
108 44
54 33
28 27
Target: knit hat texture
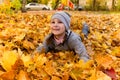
64 17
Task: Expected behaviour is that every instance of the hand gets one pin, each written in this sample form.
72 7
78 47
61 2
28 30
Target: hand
33 54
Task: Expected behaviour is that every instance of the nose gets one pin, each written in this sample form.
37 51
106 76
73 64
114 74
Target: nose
55 25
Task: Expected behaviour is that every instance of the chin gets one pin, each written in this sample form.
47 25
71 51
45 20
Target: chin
56 34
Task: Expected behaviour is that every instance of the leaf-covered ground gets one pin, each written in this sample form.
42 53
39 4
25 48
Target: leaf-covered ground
21 33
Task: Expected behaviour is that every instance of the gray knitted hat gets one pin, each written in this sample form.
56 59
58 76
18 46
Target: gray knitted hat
64 17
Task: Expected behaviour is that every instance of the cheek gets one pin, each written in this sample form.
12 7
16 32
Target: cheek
51 27
63 28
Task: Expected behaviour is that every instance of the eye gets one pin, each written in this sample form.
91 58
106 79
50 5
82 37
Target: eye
52 21
60 22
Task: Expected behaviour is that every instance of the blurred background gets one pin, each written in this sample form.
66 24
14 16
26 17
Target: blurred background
86 5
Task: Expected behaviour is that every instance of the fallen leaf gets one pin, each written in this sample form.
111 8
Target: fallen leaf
8 60
23 75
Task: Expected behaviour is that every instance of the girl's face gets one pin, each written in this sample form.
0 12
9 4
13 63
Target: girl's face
57 27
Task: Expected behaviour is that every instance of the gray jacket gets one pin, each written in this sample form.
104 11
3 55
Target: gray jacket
72 42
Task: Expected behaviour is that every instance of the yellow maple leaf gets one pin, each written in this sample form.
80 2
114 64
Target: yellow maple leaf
76 73
116 51
48 18
88 64
73 75
104 46
50 68
8 59
80 64
1 25
93 75
27 44
40 60
97 35
27 60
19 37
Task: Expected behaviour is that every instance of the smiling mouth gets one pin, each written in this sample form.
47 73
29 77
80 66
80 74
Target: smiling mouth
56 29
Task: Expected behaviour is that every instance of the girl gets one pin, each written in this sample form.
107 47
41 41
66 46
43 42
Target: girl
62 38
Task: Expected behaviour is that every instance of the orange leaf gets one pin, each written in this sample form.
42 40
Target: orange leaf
8 75
55 78
102 76
104 60
65 76
50 69
23 76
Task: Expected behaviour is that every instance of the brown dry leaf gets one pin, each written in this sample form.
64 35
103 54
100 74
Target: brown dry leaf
23 75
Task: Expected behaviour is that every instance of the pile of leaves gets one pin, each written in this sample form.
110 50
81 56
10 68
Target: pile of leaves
20 34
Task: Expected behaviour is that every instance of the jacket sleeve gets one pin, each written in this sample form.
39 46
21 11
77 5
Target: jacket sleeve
43 47
79 48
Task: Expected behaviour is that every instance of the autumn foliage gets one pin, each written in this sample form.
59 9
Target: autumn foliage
20 34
